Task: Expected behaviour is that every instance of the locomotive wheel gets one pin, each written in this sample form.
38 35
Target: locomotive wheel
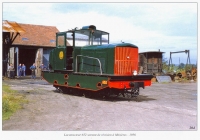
87 94
135 92
77 92
65 90
128 95
59 90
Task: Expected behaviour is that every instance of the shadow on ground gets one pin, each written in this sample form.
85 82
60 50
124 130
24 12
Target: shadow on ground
139 98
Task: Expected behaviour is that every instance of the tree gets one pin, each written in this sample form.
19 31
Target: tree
165 66
181 66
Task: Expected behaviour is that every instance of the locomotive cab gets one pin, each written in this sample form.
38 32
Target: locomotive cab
67 42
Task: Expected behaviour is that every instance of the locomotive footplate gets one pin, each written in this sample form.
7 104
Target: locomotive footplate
133 77
128 82
130 85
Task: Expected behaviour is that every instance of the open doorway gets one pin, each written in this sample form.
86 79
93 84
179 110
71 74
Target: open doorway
27 57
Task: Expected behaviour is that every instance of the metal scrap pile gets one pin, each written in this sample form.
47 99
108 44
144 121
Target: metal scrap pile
186 75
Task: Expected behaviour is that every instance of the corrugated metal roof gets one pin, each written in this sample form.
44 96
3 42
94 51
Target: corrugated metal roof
9 26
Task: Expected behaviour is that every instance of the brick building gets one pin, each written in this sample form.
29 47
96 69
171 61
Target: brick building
32 46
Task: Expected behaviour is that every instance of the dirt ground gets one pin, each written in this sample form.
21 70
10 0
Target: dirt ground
162 106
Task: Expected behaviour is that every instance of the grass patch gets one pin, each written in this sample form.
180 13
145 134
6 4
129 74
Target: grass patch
11 101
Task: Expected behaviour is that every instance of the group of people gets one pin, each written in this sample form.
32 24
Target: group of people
22 70
33 68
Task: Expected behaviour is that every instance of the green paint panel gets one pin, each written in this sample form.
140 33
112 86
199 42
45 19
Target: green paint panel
86 82
104 53
51 77
57 58
60 58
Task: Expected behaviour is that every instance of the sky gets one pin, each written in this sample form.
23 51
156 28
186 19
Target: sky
168 27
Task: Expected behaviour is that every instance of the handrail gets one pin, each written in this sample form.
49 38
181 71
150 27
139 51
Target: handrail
91 58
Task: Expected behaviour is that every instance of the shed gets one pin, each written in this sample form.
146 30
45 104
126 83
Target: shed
151 62
33 46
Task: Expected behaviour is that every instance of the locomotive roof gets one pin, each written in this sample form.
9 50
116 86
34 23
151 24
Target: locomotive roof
81 31
111 45
85 30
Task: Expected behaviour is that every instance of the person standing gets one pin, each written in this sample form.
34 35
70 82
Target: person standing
23 70
42 67
33 68
19 70
11 69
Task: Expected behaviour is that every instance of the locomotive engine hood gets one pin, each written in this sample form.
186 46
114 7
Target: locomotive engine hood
117 59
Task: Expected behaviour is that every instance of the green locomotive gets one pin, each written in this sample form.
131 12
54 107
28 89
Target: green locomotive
84 63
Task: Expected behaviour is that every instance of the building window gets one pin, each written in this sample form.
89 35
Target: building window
52 41
25 39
